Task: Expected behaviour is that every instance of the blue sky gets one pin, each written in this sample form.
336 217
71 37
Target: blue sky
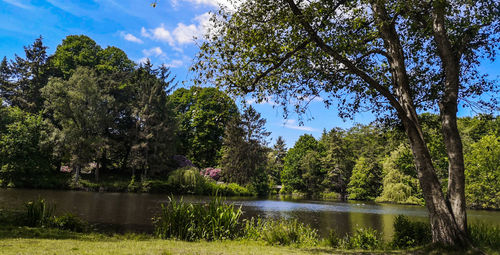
163 34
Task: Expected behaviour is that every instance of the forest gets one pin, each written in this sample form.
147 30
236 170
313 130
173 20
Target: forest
89 118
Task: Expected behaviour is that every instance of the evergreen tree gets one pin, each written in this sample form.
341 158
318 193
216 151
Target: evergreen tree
276 160
154 143
28 76
243 151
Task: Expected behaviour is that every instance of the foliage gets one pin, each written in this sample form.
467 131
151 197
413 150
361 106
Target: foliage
291 178
399 183
155 127
410 234
186 181
243 152
275 161
25 155
22 79
367 239
210 172
482 173
281 232
365 180
485 235
70 222
203 114
75 51
39 213
186 221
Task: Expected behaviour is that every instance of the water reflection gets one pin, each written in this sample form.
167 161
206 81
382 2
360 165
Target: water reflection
133 212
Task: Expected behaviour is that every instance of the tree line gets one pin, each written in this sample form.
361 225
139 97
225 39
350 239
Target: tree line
374 162
88 109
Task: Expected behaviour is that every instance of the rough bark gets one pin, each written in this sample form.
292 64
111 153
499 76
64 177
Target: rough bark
445 229
448 111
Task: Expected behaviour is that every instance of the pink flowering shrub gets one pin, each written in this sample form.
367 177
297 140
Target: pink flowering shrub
65 169
213 173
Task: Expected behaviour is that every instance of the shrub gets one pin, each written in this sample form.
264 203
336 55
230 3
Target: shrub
39 213
367 239
185 221
281 232
410 234
186 181
213 173
333 239
71 222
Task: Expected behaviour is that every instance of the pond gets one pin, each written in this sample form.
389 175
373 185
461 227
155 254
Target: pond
132 212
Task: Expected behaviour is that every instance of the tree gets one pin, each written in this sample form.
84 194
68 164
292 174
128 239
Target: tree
154 143
276 159
203 114
80 108
393 57
365 182
291 178
338 161
25 77
483 173
75 51
243 151
400 183
25 158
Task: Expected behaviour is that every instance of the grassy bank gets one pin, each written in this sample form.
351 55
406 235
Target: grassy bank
24 240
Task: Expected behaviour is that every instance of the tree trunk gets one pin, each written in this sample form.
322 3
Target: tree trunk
448 111
77 174
97 168
445 229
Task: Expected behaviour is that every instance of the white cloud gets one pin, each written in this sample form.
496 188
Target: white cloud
214 3
158 34
175 63
182 33
18 3
292 124
130 37
156 51
268 100
142 60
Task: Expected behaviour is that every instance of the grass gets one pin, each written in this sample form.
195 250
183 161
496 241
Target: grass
24 240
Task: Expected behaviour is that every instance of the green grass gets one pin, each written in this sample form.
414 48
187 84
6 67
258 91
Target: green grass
24 240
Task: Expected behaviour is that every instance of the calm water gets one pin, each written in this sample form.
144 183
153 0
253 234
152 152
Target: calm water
133 212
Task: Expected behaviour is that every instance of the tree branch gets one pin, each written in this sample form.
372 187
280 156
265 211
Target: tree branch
352 68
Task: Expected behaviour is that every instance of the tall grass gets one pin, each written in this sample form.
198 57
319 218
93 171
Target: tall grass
39 213
281 232
215 220
483 235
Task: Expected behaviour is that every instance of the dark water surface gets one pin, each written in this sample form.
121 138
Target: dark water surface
124 212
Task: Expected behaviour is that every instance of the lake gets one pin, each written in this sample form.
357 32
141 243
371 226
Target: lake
132 212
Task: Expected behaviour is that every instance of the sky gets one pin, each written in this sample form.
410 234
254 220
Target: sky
164 35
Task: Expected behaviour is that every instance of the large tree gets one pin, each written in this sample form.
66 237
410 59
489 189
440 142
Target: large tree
203 114
395 57
243 151
22 80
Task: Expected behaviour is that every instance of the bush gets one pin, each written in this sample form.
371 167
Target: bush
185 221
367 239
39 213
71 222
333 239
187 181
281 232
230 189
410 234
